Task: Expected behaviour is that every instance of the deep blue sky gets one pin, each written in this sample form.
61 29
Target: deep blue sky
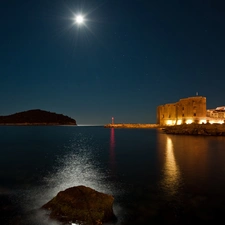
130 57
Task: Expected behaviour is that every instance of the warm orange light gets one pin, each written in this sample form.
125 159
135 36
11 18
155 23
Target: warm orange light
189 121
170 122
216 121
179 122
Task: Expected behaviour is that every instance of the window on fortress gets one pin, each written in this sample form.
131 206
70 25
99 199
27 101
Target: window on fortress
169 116
194 114
182 108
183 115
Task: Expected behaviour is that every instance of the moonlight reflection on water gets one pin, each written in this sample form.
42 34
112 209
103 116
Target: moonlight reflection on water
155 178
72 170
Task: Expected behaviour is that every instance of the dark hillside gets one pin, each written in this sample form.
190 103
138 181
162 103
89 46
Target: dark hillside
36 117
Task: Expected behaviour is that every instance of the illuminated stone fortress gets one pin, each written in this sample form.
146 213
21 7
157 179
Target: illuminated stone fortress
189 110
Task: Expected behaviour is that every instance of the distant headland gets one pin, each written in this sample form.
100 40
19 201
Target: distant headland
36 117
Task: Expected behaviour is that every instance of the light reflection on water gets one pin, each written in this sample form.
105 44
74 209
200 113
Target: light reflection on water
172 176
112 150
157 178
78 167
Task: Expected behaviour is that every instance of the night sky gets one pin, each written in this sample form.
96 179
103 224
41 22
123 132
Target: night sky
126 59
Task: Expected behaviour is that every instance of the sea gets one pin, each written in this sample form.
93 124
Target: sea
155 178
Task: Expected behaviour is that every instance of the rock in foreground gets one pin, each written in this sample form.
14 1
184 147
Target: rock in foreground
81 204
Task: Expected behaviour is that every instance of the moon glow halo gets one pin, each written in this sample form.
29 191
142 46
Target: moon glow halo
79 19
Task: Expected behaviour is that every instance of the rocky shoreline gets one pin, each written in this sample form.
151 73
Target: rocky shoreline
131 125
196 129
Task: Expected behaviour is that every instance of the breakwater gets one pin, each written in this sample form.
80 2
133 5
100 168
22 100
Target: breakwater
131 125
197 129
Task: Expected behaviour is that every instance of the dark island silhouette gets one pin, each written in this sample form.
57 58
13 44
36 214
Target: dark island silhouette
36 117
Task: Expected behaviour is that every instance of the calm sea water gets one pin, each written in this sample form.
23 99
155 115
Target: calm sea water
155 178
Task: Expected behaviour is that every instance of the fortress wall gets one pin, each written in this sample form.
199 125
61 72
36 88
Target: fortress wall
170 111
166 112
201 107
192 108
159 113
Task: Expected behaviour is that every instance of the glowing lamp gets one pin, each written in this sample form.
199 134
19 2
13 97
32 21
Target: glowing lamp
169 122
179 122
189 121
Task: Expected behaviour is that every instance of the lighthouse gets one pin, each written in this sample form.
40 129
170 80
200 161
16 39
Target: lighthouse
112 120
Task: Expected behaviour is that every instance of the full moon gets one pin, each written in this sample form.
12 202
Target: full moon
79 19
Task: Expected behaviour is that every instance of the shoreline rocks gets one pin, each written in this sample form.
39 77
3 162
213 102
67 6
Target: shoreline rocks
131 125
81 204
197 129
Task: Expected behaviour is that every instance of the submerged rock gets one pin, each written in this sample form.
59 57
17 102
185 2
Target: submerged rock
81 204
